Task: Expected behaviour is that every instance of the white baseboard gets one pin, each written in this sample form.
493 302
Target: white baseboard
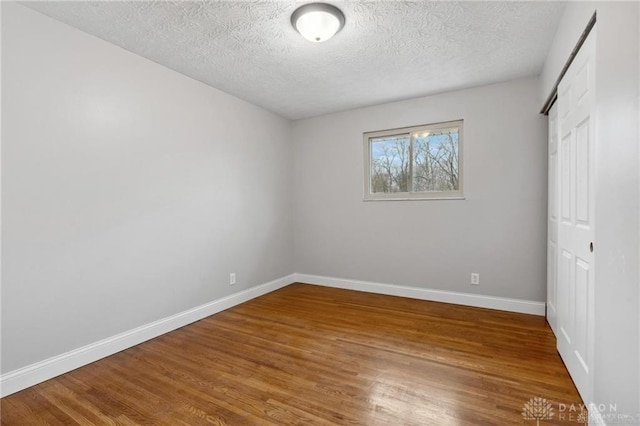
33 374
30 375
491 302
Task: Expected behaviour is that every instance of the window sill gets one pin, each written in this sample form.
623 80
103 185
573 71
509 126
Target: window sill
414 199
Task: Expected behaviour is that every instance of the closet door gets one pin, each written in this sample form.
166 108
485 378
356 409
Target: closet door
576 160
552 221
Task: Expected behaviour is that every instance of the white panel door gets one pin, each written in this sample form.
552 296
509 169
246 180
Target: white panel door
576 160
552 221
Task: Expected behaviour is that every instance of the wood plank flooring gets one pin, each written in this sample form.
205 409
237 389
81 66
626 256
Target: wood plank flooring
309 355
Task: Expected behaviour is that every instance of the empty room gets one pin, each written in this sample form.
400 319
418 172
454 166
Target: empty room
377 212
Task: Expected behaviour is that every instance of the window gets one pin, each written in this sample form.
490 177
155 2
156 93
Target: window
422 162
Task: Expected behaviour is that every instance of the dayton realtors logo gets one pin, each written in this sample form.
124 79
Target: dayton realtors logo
537 409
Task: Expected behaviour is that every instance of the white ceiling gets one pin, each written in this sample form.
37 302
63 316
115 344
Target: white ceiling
388 50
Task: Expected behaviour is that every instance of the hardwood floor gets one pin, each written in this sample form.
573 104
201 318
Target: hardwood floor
318 356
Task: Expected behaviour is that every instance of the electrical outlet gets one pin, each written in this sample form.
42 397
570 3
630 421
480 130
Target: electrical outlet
232 278
475 278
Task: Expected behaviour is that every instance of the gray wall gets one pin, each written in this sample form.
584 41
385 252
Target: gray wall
498 231
129 192
617 323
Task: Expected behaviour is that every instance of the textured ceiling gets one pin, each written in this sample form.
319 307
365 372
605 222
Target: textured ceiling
388 50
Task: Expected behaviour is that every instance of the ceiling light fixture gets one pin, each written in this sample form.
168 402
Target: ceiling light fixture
317 22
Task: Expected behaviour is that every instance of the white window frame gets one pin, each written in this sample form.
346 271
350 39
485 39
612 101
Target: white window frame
400 196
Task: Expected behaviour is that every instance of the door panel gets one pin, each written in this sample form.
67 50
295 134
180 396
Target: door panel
582 173
565 179
564 297
575 287
582 313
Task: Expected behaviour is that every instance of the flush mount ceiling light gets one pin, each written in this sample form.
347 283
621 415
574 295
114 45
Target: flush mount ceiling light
317 22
